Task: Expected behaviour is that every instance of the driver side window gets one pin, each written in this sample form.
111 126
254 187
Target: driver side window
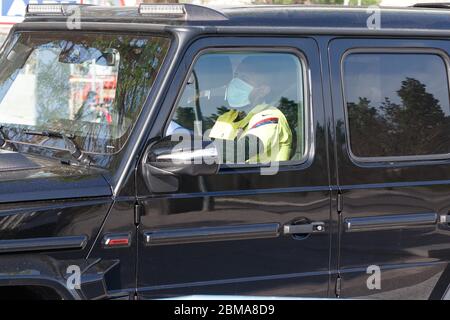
251 104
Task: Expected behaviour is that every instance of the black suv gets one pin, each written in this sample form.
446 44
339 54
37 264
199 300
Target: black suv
98 200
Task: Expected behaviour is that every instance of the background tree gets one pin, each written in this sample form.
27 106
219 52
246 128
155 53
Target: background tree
417 123
415 126
367 127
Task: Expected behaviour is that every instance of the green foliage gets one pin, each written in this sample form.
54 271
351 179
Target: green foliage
185 117
293 111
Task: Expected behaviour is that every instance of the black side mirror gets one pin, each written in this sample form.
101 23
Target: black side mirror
178 155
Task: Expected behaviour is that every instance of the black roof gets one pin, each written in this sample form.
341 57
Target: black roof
272 17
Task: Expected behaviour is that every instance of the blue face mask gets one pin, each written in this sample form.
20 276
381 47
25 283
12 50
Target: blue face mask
238 93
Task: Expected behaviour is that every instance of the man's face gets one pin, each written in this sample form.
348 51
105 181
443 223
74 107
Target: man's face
257 81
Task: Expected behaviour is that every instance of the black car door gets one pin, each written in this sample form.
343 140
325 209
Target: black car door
237 232
391 107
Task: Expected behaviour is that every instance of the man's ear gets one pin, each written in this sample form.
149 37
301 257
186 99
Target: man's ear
260 93
265 90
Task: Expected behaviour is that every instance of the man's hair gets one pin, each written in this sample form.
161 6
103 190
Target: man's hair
257 64
274 75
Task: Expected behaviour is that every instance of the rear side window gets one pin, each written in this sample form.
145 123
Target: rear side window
397 104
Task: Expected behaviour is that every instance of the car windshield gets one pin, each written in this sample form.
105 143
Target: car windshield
89 86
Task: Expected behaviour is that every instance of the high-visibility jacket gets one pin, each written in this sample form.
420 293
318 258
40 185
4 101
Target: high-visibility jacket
265 122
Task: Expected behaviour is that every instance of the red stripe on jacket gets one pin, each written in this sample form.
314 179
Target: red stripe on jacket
265 121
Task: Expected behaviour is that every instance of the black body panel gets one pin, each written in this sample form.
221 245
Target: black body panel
245 215
25 177
382 214
396 205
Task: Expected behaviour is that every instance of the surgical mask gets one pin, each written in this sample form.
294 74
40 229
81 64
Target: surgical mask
238 93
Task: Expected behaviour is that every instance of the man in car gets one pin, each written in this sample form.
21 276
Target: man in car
252 119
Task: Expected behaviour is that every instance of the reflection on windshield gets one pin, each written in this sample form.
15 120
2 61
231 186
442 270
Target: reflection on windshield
90 86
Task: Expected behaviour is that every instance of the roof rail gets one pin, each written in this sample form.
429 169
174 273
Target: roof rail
435 5
188 12
165 11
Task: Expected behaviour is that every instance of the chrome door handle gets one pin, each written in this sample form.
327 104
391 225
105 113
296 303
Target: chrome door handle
314 227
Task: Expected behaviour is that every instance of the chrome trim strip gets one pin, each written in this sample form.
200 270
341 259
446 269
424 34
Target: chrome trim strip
43 244
210 234
390 222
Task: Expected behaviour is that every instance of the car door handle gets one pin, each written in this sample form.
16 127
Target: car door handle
314 227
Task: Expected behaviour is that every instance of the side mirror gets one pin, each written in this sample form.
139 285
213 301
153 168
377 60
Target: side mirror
178 155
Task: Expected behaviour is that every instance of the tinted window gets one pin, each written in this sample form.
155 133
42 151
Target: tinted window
397 104
263 92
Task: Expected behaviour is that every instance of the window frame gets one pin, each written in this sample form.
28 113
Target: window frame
390 50
307 97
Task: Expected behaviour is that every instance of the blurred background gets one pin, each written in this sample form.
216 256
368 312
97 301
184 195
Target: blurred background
12 11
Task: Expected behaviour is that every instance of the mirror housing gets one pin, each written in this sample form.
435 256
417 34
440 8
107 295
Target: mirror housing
178 155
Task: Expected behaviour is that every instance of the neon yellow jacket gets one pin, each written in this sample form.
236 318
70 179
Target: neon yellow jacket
266 123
